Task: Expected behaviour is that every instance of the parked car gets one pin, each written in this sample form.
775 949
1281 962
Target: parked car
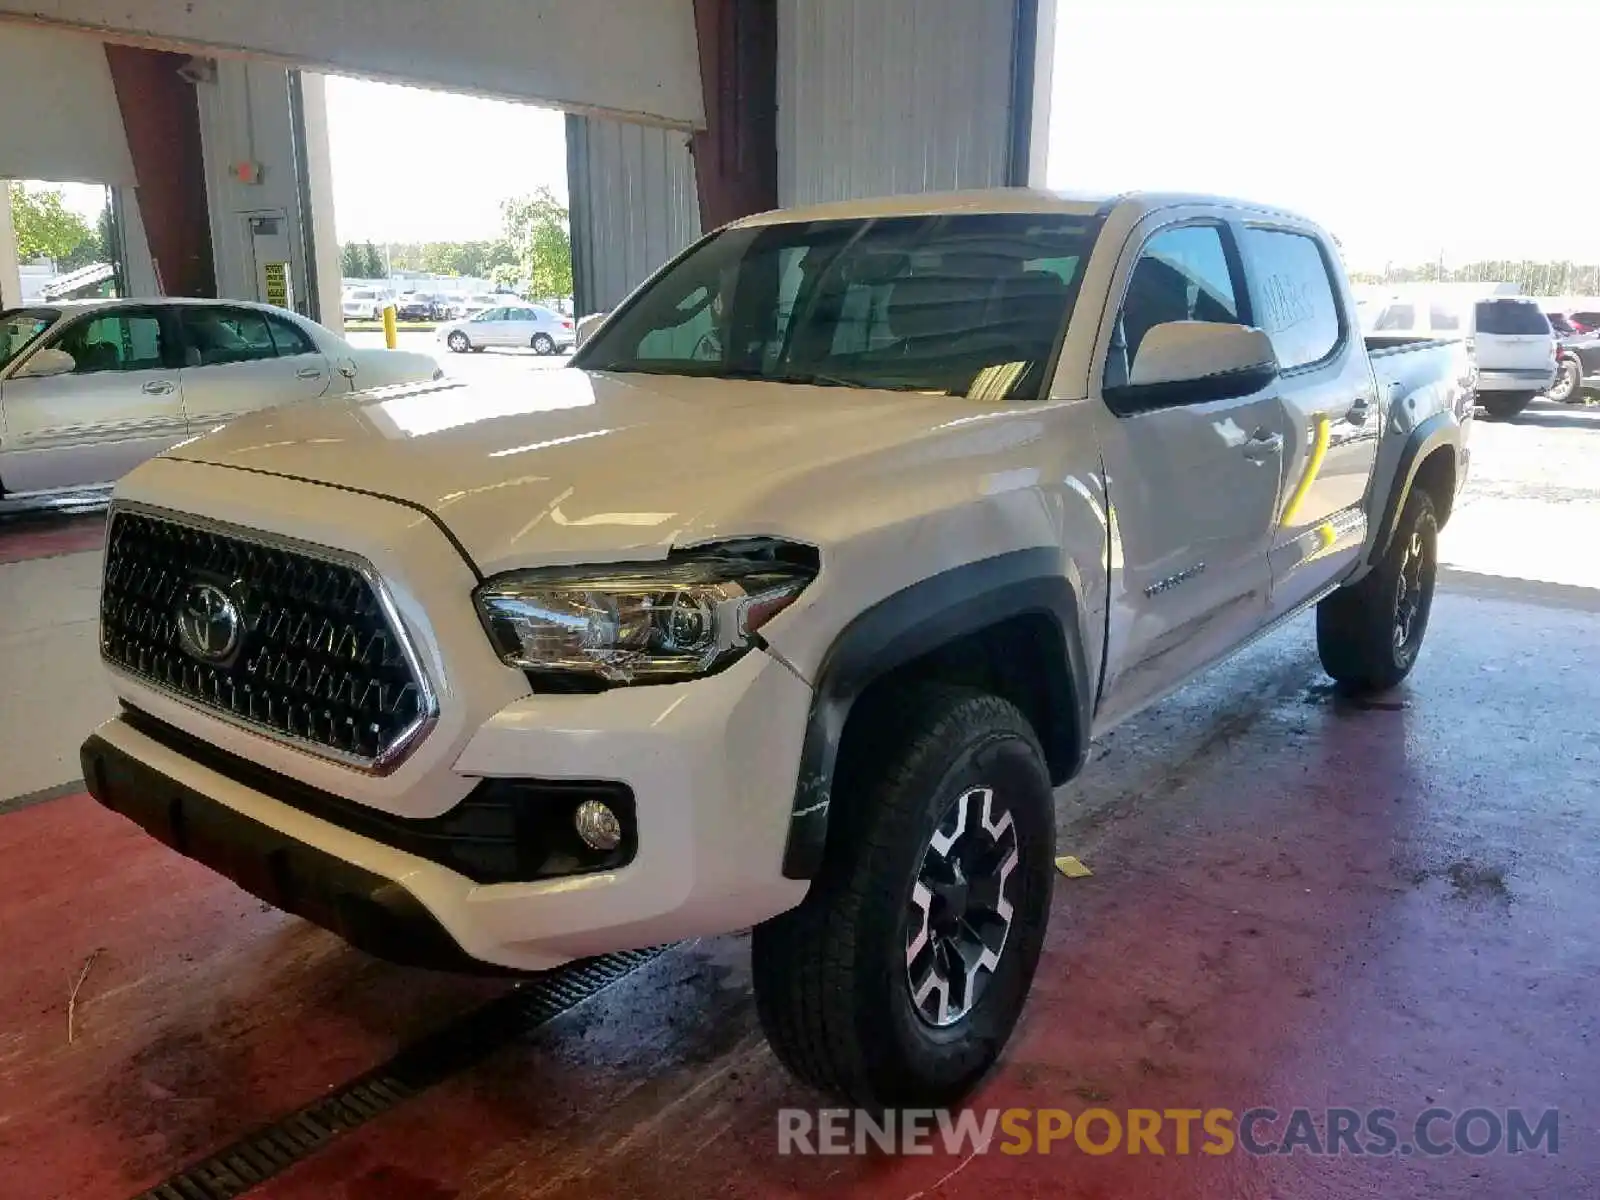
1516 353
1577 360
365 304
532 325
421 306
89 389
479 301
789 604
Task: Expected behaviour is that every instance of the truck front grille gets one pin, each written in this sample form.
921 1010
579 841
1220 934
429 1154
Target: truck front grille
290 639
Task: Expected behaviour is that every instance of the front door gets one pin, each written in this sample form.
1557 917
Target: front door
1193 488
121 404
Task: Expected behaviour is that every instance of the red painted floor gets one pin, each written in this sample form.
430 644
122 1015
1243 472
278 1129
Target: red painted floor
1297 902
29 537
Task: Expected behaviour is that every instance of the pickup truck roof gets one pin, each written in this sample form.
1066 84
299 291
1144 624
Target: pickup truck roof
998 200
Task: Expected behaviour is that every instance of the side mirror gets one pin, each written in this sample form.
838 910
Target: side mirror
1190 362
46 363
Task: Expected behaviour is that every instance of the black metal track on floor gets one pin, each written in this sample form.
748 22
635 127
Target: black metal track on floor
270 1151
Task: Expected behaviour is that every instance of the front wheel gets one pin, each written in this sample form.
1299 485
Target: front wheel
900 977
458 342
1568 387
1369 634
1503 406
543 343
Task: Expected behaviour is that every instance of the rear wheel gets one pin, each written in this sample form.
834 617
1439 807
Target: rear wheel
1503 406
1568 387
901 976
1369 634
543 343
458 342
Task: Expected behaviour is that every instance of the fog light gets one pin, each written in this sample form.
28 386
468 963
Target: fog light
597 825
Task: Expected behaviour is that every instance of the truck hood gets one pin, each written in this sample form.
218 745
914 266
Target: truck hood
573 466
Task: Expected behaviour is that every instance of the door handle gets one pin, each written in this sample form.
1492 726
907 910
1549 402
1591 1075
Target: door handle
158 387
1262 446
309 373
1359 411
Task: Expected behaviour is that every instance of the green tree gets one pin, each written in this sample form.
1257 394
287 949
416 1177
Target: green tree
540 239
372 262
45 226
350 261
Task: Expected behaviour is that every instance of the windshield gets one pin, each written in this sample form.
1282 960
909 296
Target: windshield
1510 317
19 326
964 304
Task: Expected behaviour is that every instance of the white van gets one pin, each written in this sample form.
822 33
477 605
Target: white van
1511 338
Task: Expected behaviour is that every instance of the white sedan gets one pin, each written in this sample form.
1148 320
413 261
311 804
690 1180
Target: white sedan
515 324
90 389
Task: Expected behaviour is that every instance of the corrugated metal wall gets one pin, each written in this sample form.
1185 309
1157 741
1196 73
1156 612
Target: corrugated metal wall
877 97
633 205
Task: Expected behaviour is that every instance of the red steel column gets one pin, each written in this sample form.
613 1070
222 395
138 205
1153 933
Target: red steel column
162 121
736 156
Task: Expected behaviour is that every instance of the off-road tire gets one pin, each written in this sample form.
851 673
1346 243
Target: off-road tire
832 976
1358 627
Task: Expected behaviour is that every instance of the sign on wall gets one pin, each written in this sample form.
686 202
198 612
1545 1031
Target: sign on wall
277 280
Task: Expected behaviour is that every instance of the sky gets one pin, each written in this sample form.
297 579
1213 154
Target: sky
1411 129
1405 127
418 166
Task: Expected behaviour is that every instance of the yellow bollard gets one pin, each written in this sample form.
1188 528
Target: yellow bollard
391 336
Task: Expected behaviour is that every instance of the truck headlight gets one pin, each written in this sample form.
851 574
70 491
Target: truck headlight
647 623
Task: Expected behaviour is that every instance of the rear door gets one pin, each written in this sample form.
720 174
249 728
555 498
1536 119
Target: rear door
122 404
1334 413
1194 485
233 363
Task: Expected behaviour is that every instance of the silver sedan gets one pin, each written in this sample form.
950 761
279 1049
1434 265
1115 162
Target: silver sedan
532 325
90 389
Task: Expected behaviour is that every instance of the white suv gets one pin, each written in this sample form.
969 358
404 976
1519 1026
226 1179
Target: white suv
1516 352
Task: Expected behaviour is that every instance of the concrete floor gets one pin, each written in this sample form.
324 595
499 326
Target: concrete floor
1296 902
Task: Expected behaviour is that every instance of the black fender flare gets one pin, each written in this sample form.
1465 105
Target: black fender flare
911 623
1441 429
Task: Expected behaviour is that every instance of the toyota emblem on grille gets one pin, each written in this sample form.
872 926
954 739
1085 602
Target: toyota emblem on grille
209 625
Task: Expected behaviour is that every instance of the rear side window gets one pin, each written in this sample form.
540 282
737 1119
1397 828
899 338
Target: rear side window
1298 308
224 336
288 337
1510 317
1396 317
1442 319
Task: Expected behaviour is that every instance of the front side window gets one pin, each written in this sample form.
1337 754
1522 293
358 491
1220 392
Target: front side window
118 342
957 304
1298 307
491 314
1182 274
18 328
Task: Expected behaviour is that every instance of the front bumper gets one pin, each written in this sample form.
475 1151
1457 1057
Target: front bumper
712 765
366 909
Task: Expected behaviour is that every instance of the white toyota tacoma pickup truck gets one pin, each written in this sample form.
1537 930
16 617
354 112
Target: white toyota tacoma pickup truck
787 605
